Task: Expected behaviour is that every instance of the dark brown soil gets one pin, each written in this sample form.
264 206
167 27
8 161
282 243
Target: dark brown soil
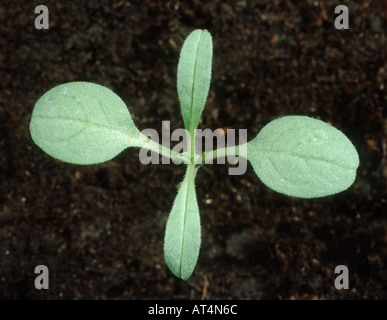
99 229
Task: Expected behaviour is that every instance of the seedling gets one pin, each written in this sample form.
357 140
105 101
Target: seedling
85 123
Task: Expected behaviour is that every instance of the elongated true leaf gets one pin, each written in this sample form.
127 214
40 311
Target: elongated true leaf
82 123
182 235
194 75
303 157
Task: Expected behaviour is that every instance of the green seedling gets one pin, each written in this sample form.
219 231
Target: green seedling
85 123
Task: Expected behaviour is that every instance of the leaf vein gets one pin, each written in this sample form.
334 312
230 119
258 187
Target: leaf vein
307 157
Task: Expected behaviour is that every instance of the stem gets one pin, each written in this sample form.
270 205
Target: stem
222 152
164 151
188 158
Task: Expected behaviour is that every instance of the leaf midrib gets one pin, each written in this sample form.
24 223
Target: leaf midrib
89 123
306 157
191 124
190 170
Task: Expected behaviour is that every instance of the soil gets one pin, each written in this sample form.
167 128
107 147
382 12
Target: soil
99 229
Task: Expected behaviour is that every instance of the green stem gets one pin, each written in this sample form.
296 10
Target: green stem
222 152
188 158
164 151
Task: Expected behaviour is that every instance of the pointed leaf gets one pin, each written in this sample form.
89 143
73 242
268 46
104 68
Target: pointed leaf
194 76
303 157
182 235
82 123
